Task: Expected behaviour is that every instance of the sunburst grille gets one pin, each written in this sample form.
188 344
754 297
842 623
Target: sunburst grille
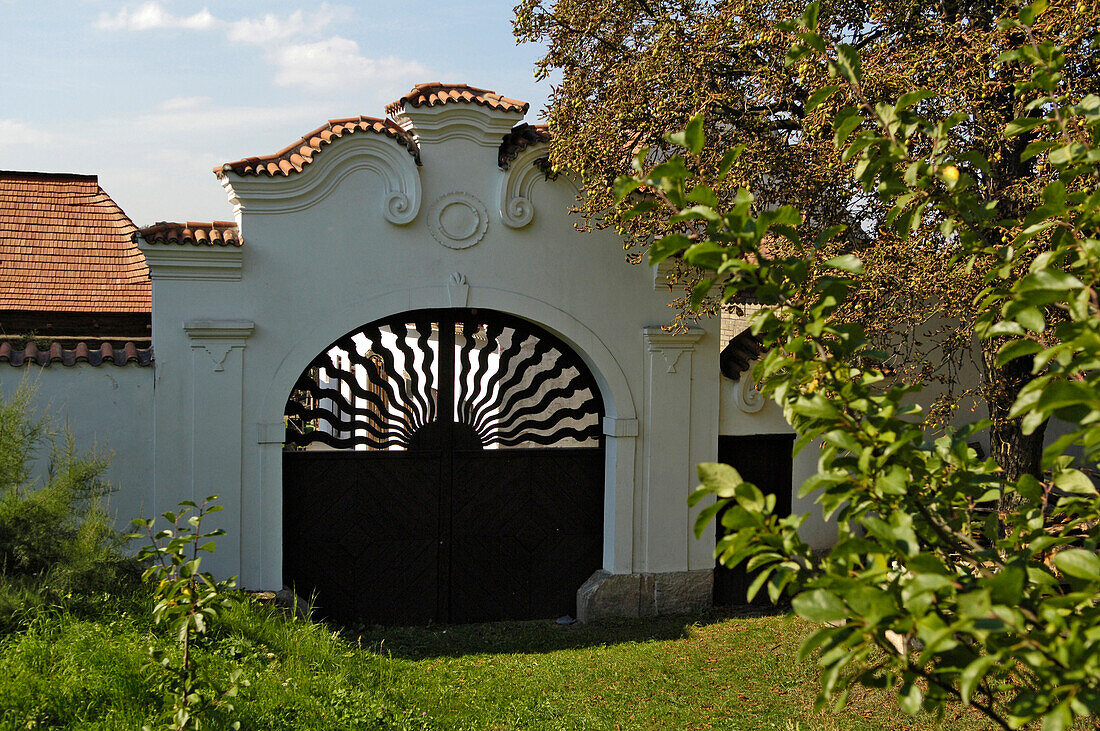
507 382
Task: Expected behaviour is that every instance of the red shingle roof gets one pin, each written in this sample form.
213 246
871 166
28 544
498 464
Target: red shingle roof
294 157
105 353
436 93
66 246
218 233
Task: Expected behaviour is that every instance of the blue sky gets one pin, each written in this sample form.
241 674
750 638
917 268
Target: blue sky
151 95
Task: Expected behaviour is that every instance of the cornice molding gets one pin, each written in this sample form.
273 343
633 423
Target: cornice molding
472 122
659 339
197 263
219 329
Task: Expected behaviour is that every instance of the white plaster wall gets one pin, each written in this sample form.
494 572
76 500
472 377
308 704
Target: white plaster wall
315 268
107 409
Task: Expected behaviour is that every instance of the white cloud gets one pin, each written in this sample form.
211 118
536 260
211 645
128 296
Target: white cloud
272 27
152 15
14 133
331 64
337 63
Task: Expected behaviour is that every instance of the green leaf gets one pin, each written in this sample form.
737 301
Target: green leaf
728 160
643 206
700 292
1014 349
847 119
898 532
819 605
718 478
703 194
625 185
692 135
809 16
667 246
820 96
1078 563
1032 319
1075 482
972 675
847 262
1027 17
1059 719
1019 126
910 98
847 62
910 698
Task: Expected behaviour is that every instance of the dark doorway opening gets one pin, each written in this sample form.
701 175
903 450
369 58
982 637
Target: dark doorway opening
764 460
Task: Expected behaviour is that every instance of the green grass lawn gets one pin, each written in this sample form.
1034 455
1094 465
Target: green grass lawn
714 672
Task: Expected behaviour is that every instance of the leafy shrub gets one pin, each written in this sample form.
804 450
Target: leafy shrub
57 543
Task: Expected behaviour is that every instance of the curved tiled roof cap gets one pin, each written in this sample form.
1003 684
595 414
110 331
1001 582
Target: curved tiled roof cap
104 354
739 354
65 246
294 157
519 139
437 93
218 233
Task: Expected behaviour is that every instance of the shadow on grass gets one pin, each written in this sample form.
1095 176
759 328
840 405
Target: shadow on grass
538 636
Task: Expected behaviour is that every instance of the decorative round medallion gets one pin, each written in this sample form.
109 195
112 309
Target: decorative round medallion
458 220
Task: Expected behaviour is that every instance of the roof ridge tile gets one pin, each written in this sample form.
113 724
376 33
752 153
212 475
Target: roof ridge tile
104 353
300 153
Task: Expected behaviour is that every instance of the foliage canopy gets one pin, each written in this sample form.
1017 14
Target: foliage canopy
634 72
930 589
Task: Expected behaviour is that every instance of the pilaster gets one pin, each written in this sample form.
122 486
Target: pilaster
217 367
669 473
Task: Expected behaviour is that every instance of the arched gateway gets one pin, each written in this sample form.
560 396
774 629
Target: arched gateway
548 472
443 466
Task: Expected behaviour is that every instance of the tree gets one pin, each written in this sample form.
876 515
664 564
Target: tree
634 72
997 609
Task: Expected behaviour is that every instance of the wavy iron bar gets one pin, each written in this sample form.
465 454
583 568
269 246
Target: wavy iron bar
513 385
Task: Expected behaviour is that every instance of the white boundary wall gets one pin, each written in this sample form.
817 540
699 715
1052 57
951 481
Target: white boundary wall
107 409
362 233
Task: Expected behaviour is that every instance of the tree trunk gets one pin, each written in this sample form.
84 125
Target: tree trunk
1017 453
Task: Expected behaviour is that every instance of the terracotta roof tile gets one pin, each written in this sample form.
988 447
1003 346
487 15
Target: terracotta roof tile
102 355
436 93
739 354
294 157
519 139
66 246
196 233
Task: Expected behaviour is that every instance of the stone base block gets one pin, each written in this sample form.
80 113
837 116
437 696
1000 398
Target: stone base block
631 596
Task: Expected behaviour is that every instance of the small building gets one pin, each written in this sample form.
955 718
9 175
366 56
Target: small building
419 391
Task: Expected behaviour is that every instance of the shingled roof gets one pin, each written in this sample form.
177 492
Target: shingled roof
65 246
436 93
295 156
194 233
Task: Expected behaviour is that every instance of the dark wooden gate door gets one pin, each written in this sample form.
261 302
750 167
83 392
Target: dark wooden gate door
443 466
